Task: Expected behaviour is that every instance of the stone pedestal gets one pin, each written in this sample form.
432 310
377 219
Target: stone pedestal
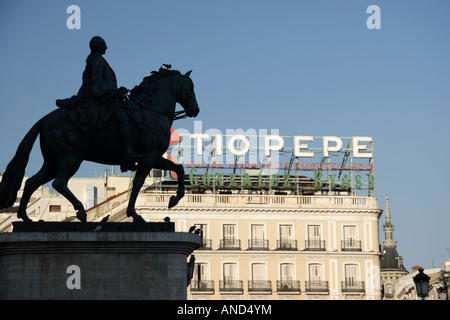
95 265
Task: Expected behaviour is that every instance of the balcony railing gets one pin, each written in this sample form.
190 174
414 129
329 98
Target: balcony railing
202 286
288 286
352 286
316 286
351 245
286 244
231 286
230 244
315 245
258 244
266 201
206 245
260 286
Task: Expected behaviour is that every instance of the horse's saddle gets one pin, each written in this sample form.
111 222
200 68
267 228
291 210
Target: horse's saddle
82 113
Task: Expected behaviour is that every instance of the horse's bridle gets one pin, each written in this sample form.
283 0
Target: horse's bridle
177 115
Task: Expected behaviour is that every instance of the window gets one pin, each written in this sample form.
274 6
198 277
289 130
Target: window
314 233
229 231
229 272
200 281
258 232
206 243
91 192
351 274
286 232
229 240
350 233
315 272
201 272
350 242
389 292
287 282
316 281
258 240
314 241
286 272
55 208
259 280
286 241
258 272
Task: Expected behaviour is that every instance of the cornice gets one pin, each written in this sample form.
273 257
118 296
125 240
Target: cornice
320 211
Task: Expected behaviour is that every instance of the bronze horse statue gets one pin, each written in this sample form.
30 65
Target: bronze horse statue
64 145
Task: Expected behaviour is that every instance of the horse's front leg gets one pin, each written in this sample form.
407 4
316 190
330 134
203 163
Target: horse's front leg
166 164
139 179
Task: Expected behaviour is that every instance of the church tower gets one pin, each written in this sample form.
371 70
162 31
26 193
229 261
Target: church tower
391 262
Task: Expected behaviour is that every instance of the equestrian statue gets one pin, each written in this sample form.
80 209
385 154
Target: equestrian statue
104 124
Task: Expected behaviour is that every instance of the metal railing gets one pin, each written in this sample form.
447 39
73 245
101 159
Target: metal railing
351 245
230 244
352 286
315 245
202 285
288 286
231 285
206 244
286 244
259 285
316 286
258 244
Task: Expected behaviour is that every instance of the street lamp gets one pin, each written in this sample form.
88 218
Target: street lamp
422 282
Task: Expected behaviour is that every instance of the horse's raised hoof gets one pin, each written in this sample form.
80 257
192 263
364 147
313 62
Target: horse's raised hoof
82 216
173 201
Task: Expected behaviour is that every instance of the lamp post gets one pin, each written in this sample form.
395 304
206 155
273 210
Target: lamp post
422 282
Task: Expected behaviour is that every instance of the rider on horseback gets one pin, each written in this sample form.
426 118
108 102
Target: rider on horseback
99 100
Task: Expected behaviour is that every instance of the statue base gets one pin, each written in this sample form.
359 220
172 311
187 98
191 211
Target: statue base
88 265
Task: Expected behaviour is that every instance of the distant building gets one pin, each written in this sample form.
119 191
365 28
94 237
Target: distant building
391 267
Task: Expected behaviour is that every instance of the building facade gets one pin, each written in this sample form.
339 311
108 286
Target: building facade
278 246
256 245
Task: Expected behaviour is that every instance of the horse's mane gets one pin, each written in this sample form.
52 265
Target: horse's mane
152 78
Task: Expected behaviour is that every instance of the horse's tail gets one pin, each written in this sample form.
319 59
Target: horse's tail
15 171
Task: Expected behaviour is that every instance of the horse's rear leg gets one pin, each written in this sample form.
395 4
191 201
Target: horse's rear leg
66 169
46 174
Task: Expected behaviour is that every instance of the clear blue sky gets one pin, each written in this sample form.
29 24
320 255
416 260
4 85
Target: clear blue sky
302 67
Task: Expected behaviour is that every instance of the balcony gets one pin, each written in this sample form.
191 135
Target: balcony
230 244
260 286
202 286
316 287
288 286
349 286
231 286
266 201
206 245
351 245
258 244
286 244
315 245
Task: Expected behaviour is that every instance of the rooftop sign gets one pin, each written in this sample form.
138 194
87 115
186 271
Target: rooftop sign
263 159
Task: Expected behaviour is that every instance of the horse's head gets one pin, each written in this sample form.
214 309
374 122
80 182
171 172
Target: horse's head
185 95
160 92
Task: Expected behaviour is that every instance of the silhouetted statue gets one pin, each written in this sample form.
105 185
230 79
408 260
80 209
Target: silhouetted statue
99 100
65 143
